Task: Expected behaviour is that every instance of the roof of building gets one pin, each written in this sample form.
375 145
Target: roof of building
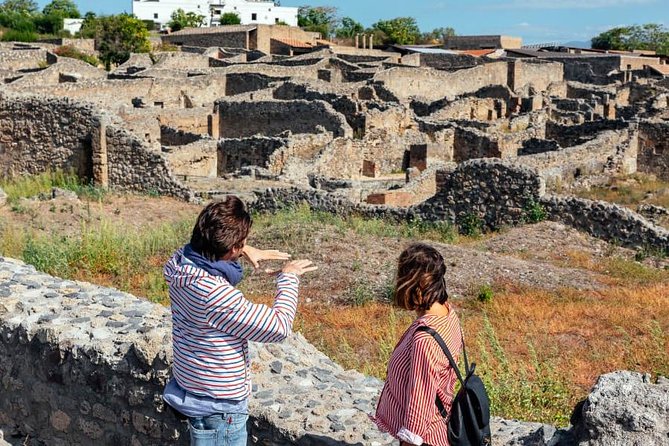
660 69
477 53
541 54
294 43
215 30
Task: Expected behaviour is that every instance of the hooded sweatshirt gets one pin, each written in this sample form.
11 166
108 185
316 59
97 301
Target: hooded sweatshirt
212 323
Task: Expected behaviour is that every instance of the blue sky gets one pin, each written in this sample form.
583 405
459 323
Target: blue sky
533 20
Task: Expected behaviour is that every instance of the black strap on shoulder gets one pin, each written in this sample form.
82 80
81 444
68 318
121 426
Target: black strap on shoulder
447 352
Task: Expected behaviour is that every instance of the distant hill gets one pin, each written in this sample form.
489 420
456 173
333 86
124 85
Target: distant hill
579 44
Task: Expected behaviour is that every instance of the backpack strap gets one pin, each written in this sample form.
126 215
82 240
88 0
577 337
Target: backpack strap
447 352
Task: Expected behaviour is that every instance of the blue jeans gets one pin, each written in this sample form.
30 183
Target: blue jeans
218 430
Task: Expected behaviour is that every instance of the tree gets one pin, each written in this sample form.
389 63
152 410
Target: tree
650 36
89 26
182 19
117 36
349 28
24 7
437 35
66 9
321 19
230 18
401 30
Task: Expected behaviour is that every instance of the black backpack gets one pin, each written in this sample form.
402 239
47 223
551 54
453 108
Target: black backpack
469 422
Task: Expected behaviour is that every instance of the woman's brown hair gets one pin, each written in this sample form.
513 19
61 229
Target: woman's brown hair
421 278
221 227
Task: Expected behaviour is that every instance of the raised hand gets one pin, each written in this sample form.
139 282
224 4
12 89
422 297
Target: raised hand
255 255
299 267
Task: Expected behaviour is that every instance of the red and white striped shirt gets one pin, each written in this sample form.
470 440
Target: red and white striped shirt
418 371
212 323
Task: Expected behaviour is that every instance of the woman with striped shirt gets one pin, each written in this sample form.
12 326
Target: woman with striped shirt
212 323
418 370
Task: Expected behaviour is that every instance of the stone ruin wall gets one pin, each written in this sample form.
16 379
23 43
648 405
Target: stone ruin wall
21 59
83 364
40 134
537 75
405 82
240 119
161 92
196 159
433 85
610 152
654 148
493 193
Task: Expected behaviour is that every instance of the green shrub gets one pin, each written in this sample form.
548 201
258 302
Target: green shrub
470 225
74 53
534 212
485 293
19 36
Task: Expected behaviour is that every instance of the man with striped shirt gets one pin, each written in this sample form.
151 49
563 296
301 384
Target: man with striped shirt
213 322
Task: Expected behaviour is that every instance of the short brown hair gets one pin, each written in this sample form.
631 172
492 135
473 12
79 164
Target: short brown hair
221 227
421 278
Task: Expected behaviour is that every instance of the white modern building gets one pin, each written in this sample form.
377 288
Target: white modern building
249 11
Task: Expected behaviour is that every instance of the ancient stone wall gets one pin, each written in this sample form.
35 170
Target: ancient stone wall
271 118
161 93
197 159
82 365
607 221
19 59
192 120
487 194
654 148
238 83
227 40
235 153
432 85
599 70
446 62
38 134
85 45
173 137
535 74
610 151
573 135
132 166
470 143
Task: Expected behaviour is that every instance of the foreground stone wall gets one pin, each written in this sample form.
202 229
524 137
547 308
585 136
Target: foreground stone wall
83 364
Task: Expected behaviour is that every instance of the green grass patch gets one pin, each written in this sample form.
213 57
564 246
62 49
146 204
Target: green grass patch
31 185
300 221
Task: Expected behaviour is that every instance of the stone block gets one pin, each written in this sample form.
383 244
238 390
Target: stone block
394 198
370 169
60 420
